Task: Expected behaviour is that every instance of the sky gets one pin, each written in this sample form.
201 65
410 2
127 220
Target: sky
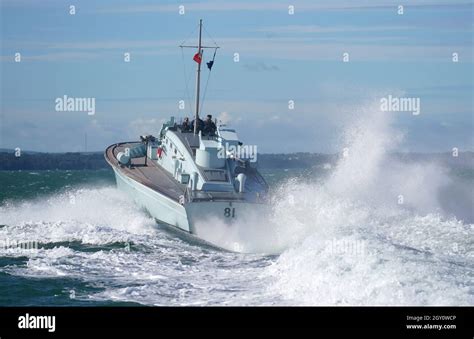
282 57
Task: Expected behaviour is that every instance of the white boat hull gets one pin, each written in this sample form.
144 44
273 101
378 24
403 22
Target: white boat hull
220 223
159 206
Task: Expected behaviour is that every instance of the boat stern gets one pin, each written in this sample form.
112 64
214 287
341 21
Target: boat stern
236 226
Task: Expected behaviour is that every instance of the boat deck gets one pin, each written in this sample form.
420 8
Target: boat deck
155 177
150 175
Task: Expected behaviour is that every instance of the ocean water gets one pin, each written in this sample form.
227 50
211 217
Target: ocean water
367 230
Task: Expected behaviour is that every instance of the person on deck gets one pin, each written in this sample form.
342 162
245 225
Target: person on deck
200 125
186 126
209 126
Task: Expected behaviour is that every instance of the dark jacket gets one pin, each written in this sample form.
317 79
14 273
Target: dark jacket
209 127
200 125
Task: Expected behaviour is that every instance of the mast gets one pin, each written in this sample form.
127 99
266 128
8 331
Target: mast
200 48
198 80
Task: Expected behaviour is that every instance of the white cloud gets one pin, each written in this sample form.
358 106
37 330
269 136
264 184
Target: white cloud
224 117
143 126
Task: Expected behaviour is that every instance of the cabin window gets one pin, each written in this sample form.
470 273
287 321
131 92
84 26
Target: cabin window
216 175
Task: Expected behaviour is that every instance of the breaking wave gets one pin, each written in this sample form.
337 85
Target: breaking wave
374 231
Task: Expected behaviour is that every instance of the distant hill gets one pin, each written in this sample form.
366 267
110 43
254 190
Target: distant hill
95 160
9 150
51 161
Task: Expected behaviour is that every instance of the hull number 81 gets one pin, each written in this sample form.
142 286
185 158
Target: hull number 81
229 212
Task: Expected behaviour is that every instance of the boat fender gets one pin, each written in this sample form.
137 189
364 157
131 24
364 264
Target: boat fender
241 177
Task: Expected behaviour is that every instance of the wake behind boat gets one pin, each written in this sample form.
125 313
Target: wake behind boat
196 176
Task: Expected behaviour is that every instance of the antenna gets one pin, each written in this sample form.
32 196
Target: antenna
200 48
198 79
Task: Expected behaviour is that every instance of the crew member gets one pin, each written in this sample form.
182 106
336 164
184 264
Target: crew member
209 126
186 126
200 125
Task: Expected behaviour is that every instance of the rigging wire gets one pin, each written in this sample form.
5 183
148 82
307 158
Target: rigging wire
210 37
186 79
210 70
194 30
207 81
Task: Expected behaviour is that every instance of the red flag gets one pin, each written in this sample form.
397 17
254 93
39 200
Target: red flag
197 58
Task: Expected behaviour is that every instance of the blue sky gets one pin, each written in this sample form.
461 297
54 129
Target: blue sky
282 57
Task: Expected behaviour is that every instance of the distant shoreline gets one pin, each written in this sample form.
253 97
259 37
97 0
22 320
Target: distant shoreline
95 160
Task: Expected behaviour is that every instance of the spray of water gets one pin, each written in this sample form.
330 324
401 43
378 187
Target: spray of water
75 215
98 237
373 231
366 186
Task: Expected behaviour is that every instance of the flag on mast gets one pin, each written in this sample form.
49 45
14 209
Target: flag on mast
197 57
211 63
